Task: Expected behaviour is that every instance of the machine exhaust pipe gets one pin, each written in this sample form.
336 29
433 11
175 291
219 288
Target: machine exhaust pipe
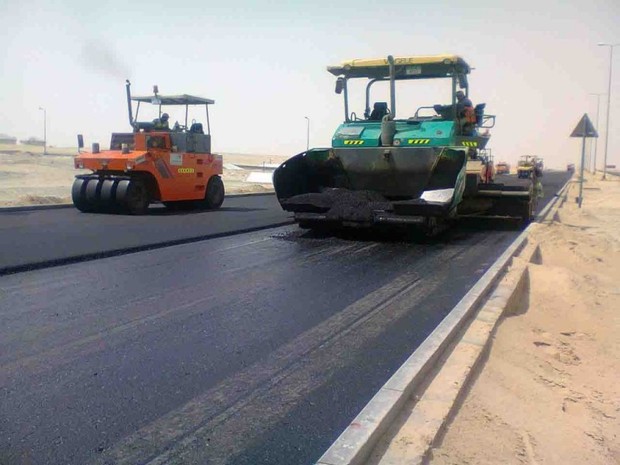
127 87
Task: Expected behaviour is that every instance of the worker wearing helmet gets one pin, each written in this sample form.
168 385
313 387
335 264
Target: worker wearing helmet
462 101
161 123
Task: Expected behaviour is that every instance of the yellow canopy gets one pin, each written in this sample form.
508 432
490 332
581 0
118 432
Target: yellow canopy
420 66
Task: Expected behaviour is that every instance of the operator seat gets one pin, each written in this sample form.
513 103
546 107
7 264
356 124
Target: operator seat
379 110
196 128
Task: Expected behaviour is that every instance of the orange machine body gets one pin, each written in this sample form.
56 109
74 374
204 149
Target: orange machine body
174 175
152 163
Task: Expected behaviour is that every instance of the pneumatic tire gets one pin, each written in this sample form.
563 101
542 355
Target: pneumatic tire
136 197
214 195
78 195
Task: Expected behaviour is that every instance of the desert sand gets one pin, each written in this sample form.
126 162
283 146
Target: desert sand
27 177
549 392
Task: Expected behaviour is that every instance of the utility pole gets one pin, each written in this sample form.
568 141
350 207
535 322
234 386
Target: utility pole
44 130
307 133
611 56
598 105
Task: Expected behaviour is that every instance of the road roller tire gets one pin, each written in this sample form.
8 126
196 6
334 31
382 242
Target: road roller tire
92 191
107 195
136 197
78 195
214 195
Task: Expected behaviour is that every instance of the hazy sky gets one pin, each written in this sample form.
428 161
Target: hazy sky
263 62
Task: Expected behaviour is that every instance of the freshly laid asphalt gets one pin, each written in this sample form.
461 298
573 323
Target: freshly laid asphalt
31 239
255 348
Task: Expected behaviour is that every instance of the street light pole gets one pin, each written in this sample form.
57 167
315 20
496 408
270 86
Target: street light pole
598 105
611 56
44 130
307 133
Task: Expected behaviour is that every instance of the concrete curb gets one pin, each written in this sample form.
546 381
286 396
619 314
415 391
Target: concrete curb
56 206
557 202
426 419
357 441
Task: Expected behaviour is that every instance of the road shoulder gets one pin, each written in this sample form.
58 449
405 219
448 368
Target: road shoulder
549 391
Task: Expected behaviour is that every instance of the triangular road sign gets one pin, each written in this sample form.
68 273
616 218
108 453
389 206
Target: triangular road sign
584 128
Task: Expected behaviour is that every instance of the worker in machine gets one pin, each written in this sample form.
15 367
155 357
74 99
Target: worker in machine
161 123
462 102
465 113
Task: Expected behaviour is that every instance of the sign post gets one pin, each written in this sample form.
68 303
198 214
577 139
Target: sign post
584 129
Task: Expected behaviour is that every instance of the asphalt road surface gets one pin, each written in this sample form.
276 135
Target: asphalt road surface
256 348
39 238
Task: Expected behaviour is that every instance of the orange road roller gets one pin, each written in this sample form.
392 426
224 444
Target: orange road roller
153 163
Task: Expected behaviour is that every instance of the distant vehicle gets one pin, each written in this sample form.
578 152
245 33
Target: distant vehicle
570 167
502 168
529 167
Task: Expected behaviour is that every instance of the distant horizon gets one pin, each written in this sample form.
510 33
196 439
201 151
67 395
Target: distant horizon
69 149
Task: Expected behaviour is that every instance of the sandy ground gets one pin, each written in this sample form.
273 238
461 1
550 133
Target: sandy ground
27 177
549 392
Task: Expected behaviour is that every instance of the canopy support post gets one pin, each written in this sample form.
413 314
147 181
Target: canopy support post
208 122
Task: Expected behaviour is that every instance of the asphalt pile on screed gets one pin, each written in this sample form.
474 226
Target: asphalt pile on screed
344 204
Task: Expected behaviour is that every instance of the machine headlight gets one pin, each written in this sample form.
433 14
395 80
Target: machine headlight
79 164
396 141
